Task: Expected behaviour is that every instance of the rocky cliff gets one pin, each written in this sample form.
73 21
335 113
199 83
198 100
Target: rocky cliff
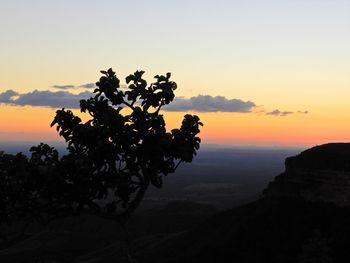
321 173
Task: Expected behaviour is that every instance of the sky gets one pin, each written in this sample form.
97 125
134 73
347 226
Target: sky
265 73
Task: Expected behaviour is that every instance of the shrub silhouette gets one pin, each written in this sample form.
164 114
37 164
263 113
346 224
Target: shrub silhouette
118 156
112 157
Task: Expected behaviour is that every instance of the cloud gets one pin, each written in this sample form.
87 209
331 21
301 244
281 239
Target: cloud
57 99
279 113
206 103
303 112
200 103
63 86
7 96
83 86
88 86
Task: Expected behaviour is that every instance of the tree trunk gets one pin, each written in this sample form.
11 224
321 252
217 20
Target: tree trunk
128 243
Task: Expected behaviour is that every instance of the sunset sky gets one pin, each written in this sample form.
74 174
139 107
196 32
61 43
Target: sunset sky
281 68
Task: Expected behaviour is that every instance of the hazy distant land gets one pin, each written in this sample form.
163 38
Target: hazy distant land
222 176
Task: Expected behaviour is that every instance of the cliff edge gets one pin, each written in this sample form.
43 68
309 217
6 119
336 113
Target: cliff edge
321 173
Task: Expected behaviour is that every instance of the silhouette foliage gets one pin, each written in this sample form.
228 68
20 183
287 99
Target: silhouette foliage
112 158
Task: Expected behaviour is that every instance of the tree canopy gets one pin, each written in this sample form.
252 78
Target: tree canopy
112 157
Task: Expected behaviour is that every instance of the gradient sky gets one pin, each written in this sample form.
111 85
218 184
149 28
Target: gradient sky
287 55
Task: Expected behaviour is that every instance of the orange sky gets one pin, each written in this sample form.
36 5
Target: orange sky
33 124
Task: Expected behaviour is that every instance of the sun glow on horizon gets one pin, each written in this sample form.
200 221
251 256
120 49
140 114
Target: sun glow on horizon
33 124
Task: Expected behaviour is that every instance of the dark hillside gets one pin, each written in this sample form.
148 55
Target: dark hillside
309 223
269 230
304 216
331 156
72 238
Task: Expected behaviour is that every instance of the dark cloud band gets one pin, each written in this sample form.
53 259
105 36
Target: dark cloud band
206 103
68 87
59 99
200 103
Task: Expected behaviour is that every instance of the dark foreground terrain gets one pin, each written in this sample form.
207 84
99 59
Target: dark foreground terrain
268 230
85 237
279 226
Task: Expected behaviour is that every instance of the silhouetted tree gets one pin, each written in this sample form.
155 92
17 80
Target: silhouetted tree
112 157
30 190
124 146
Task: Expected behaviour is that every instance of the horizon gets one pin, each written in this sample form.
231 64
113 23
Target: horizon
23 146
